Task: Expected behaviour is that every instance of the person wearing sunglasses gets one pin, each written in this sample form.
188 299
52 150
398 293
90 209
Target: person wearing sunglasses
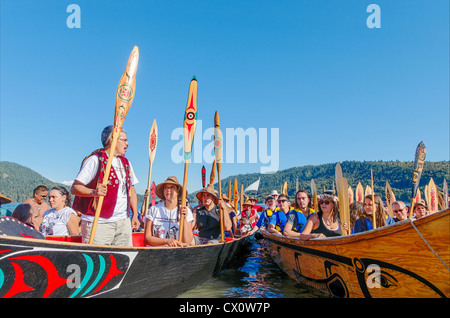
400 211
38 203
280 217
326 222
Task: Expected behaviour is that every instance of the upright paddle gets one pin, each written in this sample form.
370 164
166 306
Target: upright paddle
314 196
124 98
419 161
218 161
190 122
374 214
152 143
342 192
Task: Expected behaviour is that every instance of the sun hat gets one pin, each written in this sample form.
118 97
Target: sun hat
209 189
4 200
274 192
159 189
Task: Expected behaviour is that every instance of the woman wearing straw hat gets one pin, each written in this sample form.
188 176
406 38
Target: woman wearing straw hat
208 217
162 222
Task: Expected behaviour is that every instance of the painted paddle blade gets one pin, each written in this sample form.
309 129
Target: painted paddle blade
203 176
351 196
359 192
153 193
212 176
217 139
153 141
419 161
190 118
314 195
235 194
390 198
125 90
432 197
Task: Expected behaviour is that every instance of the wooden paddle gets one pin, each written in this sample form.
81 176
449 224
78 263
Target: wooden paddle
445 194
314 196
432 197
419 160
152 143
390 198
152 193
124 98
359 192
218 161
190 122
212 176
342 192
236 196
203 176
284 191
374 214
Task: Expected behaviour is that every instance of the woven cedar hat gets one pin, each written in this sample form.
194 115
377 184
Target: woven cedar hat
4 200
209 189
159 189
248 202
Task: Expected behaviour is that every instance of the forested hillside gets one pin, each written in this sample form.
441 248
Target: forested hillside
17 182
399 174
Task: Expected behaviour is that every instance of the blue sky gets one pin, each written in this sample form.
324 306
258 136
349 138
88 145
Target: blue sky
334 88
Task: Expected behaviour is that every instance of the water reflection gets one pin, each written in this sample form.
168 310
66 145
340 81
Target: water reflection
259 277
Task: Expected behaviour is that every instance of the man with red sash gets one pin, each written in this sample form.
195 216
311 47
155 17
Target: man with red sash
114 224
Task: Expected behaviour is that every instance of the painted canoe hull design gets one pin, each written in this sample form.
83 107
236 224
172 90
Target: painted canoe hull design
407 259
43 268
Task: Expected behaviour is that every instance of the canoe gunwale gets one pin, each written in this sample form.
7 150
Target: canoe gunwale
413 255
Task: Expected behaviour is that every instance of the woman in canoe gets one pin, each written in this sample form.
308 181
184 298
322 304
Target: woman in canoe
326 222
61 219
365 222
162 222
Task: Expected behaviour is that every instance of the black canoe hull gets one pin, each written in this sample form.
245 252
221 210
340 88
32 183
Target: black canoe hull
42 268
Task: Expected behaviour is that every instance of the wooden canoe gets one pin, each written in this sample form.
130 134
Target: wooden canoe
409 259
63 268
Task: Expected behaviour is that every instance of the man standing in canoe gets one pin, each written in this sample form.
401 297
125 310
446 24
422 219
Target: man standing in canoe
208 217
114 224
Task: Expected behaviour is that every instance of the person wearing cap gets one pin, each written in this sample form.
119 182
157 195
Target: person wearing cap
400 211
114 224
275 196
279 218
266 215
208 217
248 217
421 209
326 222
365 221
162 222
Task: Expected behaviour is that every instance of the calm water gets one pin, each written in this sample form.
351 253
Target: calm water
259 277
